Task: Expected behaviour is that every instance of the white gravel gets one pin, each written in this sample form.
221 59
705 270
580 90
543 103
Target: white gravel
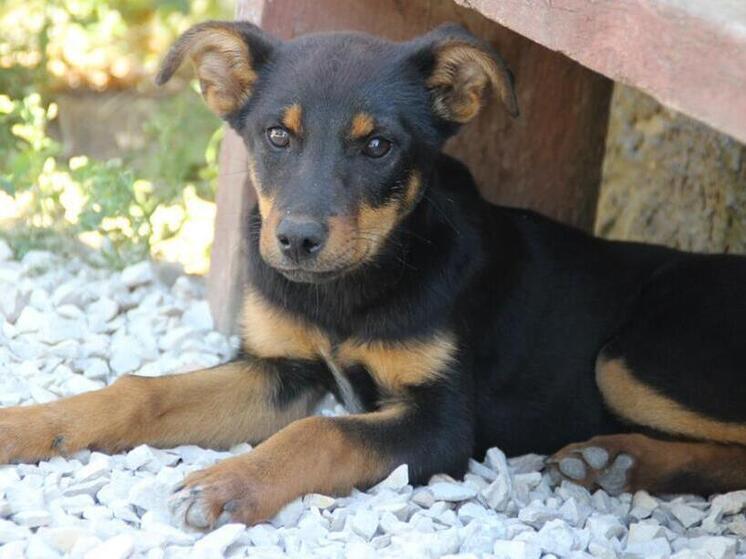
68 328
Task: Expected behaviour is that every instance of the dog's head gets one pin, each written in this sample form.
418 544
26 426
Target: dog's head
341 128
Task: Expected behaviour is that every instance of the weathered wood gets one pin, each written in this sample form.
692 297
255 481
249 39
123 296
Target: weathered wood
548 159
688 54
234 199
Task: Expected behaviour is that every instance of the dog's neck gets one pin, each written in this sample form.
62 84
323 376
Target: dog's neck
409 267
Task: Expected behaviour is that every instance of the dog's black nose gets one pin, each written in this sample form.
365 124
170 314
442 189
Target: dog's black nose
300 238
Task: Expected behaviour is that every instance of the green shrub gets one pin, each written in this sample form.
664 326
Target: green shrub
51 46
117 199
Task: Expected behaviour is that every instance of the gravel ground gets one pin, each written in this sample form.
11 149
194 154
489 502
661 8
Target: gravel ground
68 328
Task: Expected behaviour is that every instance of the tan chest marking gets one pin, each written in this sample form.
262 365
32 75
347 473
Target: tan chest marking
269 331
396 365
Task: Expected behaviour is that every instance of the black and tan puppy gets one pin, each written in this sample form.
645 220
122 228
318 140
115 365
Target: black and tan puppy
448 325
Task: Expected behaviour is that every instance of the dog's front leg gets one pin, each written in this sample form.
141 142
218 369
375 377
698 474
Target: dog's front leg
429 429
244 400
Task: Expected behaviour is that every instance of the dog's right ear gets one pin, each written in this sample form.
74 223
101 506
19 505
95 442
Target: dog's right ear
226 55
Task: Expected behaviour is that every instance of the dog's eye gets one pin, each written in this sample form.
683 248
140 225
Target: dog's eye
278 137
377 147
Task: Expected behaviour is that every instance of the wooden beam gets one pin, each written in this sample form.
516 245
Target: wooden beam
234 199
688 54
549 159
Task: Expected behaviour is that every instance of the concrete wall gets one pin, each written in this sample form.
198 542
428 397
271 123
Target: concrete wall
669 179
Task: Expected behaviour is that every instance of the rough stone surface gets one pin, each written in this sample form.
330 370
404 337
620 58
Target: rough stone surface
671 180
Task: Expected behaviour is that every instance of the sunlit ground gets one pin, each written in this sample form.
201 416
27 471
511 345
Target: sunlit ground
190 247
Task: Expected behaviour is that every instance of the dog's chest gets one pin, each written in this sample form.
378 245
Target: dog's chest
271 332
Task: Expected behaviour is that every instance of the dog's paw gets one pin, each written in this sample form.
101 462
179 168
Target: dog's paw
230 491
190 506
27 435
601 463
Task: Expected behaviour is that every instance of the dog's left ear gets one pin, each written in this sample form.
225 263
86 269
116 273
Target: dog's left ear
461 71
227 57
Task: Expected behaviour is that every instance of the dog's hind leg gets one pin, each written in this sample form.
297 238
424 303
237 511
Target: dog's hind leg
629 462
688 451
713 459
683 451
244 400
675 370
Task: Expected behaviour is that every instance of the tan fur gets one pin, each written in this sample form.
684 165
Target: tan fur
215 407
462 78
374 226
292 119
636 402
352 240
313 455
270 219
397 365
265 203
412 191
342 244
362 125
222 63
269 331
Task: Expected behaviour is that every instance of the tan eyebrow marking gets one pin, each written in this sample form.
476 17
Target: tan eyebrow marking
362 125
292 119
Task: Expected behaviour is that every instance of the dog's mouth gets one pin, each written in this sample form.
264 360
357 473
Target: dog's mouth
322 270
301 275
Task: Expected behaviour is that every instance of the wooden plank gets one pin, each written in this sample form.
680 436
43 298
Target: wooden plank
234 199
688 54
548 159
